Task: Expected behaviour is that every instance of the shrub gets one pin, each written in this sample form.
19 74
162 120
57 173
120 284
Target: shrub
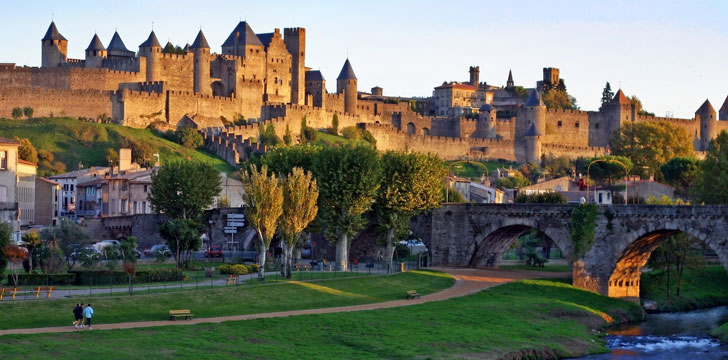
309 134
401 251
351 132
189 138
17 113
253 268
28 112
237 269
42 279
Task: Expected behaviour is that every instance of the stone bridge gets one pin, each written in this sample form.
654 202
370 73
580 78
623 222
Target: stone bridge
476 235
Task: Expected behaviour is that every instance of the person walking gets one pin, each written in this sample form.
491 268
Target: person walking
88 312
78 315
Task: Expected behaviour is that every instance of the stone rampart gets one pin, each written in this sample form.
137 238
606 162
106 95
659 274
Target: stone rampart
57 102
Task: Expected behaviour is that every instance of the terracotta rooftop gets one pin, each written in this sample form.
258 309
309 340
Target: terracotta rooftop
621 98
21 161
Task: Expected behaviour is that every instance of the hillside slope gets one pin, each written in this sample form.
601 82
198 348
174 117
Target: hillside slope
74 141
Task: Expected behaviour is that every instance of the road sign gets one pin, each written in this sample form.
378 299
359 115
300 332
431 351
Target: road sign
235 216
232 231
236 223
231 228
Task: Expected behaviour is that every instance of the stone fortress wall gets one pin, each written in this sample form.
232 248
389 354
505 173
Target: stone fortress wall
261 77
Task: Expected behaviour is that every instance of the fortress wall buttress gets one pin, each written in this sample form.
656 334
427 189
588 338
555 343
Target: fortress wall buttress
568 127
57 102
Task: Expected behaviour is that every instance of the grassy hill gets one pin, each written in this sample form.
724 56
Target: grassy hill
472 171
72 141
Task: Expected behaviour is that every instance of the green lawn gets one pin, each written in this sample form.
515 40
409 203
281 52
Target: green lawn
525 319
57 136
721 333
228 301
706 287
472 171
549 268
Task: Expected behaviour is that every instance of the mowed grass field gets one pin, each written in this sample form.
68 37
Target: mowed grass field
61 137
701 288
524 319
241 300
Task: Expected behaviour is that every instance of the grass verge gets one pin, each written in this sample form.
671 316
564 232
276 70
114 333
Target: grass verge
228 301
721 333
524 319
702 288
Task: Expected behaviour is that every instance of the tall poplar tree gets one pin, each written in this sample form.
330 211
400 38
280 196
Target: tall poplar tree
300 194
264 197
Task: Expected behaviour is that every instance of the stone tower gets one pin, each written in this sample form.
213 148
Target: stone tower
346 83
486 122
152 50
95 53
723 112
475 75
509 83
295 39
532 139
201 50
706 117
550 77
54 48
315 88
533 112
620 110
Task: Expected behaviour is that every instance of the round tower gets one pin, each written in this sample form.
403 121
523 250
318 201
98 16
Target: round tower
532 140
486 122
534 112
706 117
152 50
95 53
347 83
54 48
201 51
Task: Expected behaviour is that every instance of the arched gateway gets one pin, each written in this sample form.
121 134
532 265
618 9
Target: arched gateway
475 235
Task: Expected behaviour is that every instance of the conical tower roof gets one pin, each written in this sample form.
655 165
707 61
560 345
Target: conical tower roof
200 42
532 131
151 41
707 107
620 98
534 99
724 107
244 35
116 44
95 44
347 72
52 33
510 77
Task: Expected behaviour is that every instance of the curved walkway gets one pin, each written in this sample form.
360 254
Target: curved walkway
467 281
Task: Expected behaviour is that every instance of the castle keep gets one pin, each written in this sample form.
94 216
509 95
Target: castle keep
264 78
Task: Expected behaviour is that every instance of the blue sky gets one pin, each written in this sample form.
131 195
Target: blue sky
672 54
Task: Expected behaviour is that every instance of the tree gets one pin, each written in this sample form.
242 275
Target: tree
28 112
610 168
282 160
607 95
411 184
6 233
335 125
650 144
348 180
31 241
300 194
27 151
15 255
634 100
112 157
558 99
223 201
129 256
183 237
264 195
680 173
711 181
268 135
17 113
516 181
67 237
304 126
557 166
189 138
142 151
184 189
287 138
518 92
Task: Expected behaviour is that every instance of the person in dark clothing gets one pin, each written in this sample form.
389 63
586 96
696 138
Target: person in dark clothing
78 315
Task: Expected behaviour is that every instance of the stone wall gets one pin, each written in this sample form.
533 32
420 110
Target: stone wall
567 127
177 71
57 102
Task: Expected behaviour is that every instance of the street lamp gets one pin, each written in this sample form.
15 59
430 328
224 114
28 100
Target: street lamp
626 173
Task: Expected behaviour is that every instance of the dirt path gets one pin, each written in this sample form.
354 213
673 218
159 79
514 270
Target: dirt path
467 281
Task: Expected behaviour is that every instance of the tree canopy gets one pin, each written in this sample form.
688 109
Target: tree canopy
300 195
650 144
263 194
27 151
609 168
607 94
184 189
680 172
711 181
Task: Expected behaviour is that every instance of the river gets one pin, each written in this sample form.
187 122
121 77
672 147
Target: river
682 335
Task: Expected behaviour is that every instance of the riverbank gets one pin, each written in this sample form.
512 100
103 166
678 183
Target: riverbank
701 289
527 318
721 333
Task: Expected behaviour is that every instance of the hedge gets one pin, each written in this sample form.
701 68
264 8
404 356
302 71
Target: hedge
42 279
105 277
238 269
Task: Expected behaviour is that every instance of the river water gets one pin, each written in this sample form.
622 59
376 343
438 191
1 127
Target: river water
683 335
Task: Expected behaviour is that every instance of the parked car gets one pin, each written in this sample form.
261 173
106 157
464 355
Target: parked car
213 251
164 249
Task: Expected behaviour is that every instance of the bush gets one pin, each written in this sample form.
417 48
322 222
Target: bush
28 112
189 138
309 134
542 198
106 277
401 251
42 279
17 113
237 269
351 132
253 268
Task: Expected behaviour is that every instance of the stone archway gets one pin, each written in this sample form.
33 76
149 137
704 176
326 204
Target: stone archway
411 129
218 89
488 251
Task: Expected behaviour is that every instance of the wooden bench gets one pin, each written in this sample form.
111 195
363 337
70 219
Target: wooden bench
232 279
11 291
412 294
48 289
176 314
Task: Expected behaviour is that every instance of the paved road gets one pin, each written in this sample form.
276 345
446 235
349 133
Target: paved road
467 281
